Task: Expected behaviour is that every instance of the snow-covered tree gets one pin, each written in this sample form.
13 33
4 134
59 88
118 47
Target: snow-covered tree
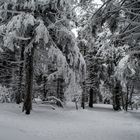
42 31
121 19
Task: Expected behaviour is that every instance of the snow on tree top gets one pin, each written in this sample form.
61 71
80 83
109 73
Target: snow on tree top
42 32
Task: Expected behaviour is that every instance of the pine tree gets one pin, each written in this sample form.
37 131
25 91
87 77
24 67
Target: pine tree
32 27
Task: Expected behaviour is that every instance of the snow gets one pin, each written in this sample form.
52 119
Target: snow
99 123
42 33
125 69
98 2
123 62
74 30
15 28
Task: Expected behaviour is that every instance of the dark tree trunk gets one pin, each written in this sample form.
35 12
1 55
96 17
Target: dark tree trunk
117 96
44 87
29 81
126 102
131 94
60 93
116 104
91 98
83 101
19 95
83 96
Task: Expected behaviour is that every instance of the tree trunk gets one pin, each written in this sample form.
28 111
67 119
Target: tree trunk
126 101
19 95
44 87
117 96
60 93
83 101
122 97
91 98
76 105
130 99
29 81
83 97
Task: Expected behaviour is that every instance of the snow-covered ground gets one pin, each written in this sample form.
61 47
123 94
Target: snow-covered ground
99 123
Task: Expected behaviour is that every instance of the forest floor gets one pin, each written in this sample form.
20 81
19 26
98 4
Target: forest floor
99 123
